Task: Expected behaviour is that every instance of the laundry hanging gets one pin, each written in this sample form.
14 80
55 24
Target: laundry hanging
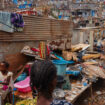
17 21
5 22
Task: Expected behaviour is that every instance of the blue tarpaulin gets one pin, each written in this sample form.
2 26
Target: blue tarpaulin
25 5
15 1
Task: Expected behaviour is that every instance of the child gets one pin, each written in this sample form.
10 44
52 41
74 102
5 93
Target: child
5 75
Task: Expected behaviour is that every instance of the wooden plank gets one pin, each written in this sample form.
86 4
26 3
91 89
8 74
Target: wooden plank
81 92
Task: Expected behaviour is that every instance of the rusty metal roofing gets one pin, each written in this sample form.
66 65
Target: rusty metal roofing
38 28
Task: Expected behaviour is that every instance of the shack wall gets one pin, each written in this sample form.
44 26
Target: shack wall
38 28
14 47
35 30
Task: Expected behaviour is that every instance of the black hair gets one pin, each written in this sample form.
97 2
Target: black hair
6 64
42 75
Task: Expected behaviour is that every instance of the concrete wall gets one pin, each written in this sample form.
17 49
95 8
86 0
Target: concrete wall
76 37
14 47
86 34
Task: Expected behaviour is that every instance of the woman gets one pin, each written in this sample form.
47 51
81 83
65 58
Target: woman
43 82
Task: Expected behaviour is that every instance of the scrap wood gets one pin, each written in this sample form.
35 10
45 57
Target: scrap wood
74 49
102 57
91 56
61 43
96 71
69 56
89 72
103 44
79 47
90 63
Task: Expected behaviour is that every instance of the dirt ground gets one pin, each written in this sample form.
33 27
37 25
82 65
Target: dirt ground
87 98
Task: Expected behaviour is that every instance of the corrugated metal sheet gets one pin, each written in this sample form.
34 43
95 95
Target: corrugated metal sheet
38 28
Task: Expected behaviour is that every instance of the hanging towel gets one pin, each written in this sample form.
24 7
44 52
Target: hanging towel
5 22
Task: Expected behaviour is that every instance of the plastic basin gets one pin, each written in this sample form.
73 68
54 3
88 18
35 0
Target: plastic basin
61 66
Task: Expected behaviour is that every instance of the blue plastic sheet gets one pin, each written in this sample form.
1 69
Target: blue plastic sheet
75 73
15 1
61 60
23 6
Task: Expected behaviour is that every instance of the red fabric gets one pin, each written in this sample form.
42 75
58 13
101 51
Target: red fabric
5 87
48 50
34 49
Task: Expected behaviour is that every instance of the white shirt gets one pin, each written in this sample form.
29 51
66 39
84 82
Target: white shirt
3 77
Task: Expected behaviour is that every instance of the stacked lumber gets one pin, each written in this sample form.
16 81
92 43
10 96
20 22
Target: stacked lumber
91 56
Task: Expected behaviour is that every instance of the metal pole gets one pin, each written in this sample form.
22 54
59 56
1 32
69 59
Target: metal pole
3 4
